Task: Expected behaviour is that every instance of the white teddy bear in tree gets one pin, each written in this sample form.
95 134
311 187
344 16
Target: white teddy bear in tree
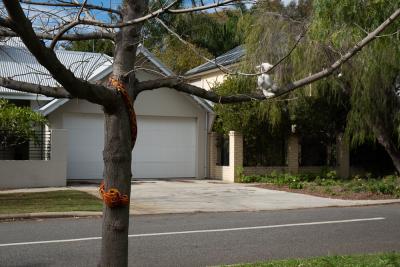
264 80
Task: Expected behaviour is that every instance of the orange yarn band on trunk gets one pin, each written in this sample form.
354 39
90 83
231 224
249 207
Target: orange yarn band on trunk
120 87
113 198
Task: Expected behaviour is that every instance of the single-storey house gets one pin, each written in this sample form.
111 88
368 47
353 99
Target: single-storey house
172 126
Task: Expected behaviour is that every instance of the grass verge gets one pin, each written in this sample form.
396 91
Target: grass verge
372 260
55 201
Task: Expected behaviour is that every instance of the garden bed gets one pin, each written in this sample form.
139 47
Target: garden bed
328 185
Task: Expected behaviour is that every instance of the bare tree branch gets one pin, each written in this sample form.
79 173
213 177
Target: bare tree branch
5 22
71 4
202 7
57 92
179 84
193 48
153 14
350 53
60 33
223 68
46 57
66 37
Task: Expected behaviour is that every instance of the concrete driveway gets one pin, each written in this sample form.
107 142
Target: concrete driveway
181 196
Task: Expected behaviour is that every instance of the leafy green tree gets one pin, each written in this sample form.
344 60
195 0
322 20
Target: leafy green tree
268 39
217 32
17 124
361 99
370 80
179 57
94 46
211 34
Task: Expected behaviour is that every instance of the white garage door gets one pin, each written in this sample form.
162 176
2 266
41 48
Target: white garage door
166 147
85 145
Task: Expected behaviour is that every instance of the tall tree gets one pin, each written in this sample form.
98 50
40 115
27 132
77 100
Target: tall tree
361 98
116 97
370 82
210 35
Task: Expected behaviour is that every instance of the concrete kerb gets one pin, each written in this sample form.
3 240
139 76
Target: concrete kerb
48 215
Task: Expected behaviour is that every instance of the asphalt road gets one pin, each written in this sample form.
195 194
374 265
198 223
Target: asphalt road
207 238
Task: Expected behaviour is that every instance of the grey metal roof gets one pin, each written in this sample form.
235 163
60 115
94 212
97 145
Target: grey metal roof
18 63
230 57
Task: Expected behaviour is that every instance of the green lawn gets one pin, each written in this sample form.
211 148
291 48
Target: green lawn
56 201
373 260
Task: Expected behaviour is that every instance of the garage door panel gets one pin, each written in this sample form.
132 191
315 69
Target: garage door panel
166 147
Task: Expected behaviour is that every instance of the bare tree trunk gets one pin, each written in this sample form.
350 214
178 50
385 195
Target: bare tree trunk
384 139
117 152
117 156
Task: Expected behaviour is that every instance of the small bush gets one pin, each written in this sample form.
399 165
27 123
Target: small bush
296 185
249 178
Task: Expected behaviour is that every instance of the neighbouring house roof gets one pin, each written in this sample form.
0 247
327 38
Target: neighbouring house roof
18 63
230 57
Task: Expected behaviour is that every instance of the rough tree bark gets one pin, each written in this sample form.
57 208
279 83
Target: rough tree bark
117 152
384 138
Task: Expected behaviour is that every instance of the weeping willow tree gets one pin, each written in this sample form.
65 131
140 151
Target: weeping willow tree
361 99
369 81
244 116
272 29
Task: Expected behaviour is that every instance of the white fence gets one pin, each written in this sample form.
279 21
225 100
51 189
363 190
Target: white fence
38 173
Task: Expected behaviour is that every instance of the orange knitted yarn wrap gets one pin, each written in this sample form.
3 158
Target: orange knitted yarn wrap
120 87
113 198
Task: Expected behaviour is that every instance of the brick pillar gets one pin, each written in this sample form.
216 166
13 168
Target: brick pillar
212 154
293 154
343 157
235 154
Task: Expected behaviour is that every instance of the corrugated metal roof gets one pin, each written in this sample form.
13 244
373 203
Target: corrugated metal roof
226 59
18 63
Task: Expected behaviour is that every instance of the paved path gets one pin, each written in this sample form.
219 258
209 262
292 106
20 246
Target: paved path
182 196
207 239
